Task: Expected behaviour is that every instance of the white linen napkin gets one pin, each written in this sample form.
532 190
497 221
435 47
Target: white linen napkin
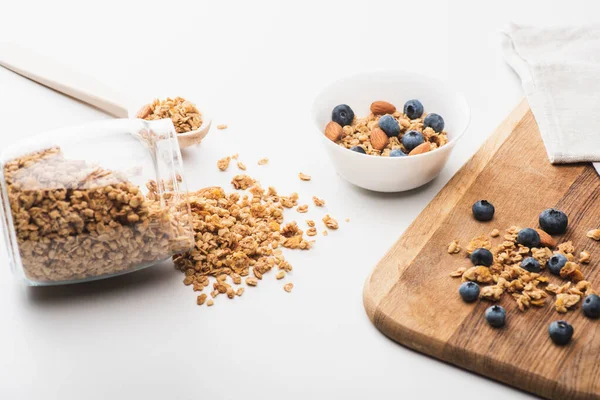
560 72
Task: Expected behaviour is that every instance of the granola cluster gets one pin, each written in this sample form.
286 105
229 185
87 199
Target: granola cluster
74 220
527 288
184 114
239 237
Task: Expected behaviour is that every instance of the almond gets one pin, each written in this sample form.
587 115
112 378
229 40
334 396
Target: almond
382 107
379 139
334 131
545 239
420 149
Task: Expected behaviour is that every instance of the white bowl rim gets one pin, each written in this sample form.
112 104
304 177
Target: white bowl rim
450 87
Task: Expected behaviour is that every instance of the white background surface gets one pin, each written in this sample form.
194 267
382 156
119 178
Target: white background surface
257 66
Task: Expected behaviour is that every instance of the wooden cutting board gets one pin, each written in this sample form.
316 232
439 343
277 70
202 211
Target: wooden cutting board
410 298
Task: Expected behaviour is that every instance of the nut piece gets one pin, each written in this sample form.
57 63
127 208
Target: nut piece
201 299
334 131
280 275
379 139
454 247
594 234
420 149
494 233
584 257
330 222
210 303
302 209
304 177
318 202
251 281
382 107
545 239
288 287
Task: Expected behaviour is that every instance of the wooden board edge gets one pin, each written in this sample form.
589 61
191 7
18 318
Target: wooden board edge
387 272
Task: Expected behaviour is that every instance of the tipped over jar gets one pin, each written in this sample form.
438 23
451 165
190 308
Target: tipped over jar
94 201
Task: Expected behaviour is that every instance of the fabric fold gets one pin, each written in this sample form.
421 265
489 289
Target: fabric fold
560 73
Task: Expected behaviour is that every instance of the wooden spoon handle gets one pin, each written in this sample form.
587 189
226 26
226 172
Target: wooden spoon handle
56 76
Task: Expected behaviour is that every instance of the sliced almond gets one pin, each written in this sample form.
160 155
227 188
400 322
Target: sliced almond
420 149
379 139
545 239
382 107
334 131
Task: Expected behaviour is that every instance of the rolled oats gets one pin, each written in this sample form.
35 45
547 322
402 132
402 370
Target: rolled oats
311 232
210 303
288 287
263 161
280 275
310 223
241 165
302 209
221 126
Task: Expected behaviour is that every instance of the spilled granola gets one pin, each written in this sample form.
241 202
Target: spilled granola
528 289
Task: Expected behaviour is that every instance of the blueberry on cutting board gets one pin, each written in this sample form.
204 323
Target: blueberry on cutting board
495 316
560 332
482 256
483 210
528 237
554 221
469 291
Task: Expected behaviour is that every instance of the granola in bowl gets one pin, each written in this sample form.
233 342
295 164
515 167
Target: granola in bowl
387 131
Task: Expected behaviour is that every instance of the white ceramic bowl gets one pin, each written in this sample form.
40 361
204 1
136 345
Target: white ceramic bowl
391 174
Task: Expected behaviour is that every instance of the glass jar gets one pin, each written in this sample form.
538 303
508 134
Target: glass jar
94 201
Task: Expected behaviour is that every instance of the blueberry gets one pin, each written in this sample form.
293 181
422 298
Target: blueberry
397 153
412 139
434 122
469 291
531 264
529 238
556 262
389 125
560 332
342 114
413 109
482 257
358 149
554 221
483 210
591 306
495 316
